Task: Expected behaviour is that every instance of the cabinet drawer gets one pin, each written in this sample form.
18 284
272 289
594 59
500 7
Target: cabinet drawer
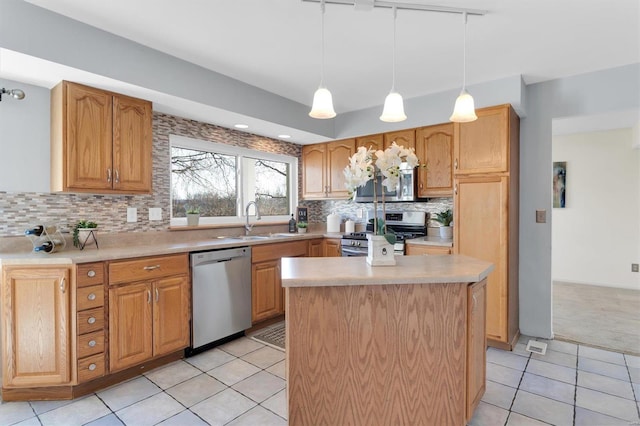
276 251
91 367
90 297
149 268
89 344
90 320
90 274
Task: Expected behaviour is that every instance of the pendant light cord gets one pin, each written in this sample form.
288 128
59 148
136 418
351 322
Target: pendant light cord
393 69
464 52
322 46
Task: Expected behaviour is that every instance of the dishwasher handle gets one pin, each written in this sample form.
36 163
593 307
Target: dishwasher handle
218 256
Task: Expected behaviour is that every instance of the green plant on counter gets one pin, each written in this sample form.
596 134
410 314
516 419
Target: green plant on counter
193 210
83 224
444 218
302 224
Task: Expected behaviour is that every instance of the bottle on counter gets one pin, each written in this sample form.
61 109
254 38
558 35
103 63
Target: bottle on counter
46 247
292 224
38 230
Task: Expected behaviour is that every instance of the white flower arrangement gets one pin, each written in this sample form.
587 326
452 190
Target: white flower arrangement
362 166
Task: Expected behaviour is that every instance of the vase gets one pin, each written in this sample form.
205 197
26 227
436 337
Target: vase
446 232
87 237
379 251
302 230
193 219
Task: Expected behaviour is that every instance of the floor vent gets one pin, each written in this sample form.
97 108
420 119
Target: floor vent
537 347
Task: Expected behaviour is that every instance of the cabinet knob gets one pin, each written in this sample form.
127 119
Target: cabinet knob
92 367
91 296
91 273
91 320
92 343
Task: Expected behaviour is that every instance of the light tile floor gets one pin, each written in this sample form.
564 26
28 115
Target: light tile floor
242 383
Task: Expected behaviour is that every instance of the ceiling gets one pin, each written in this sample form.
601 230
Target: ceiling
275 44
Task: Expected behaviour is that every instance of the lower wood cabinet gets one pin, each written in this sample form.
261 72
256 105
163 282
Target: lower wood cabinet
413 249
331 247
148 318
36 326
315 248
267 294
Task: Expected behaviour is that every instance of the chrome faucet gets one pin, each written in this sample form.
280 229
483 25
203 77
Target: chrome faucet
247 226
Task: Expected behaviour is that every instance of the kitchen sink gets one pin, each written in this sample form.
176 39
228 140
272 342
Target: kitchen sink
283 234
250 237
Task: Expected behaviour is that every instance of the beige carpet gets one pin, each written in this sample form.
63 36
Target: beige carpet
603 317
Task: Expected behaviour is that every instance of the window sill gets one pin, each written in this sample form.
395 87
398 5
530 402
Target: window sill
224 225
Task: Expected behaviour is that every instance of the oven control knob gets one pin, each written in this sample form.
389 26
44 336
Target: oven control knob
359 244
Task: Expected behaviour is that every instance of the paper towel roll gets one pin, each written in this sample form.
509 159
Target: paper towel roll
333 222
349 226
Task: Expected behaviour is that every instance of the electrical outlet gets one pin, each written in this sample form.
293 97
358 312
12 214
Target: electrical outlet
132 214
360 213
541 216
634 267
155 213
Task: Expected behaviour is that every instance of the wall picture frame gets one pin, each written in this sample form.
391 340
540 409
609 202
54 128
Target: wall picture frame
302 214
559 184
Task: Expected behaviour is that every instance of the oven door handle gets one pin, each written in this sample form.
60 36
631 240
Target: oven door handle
348 251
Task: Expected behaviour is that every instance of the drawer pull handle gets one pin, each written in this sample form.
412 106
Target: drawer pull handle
91 320
455 165
91 273
151 268
63 285
91 296
92 343
92 367
157 295
148 296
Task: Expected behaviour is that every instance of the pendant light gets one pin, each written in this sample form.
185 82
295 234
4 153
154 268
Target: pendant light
322 101
393 110
464 110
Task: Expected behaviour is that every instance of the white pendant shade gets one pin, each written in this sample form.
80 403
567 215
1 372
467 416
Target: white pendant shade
322 104
393 108
464 111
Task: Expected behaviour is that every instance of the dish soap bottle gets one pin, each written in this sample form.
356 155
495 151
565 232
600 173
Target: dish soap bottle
292 224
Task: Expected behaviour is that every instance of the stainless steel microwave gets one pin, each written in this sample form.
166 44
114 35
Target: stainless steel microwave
404 191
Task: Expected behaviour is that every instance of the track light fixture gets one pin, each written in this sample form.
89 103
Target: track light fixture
14 93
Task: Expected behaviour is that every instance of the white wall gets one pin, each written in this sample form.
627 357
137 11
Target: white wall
596 237
24 139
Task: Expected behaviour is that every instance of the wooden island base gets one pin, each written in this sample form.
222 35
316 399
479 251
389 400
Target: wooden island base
395 354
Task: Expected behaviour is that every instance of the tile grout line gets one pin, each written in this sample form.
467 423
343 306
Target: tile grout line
633 390
517 389
575 388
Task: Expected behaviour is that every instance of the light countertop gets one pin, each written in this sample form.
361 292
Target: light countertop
350 271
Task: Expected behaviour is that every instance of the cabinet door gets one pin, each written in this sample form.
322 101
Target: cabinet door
88 138
338 153
130 325
132 144
434 148
170 315
482 146
331 247
36 327
374 142
313 171
406 138
266 290
315 248
481 218
476 344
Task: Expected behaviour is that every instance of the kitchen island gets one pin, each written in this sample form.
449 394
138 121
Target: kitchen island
400 344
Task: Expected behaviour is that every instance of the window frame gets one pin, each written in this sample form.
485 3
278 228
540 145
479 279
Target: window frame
240 153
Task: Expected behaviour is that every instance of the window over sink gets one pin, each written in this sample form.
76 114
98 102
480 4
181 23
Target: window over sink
219 180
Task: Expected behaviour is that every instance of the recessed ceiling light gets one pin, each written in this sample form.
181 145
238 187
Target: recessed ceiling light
241 126
284 136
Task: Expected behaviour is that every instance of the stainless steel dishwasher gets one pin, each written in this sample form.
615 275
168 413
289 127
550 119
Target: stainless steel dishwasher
221 295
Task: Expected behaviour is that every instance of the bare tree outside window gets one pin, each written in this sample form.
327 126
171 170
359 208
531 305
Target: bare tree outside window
271 186
205 180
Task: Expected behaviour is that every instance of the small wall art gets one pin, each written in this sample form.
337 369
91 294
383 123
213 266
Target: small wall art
559 184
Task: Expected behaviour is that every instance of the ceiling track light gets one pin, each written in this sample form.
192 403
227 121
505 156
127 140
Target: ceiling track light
322 106
393 110
464 110
368 4
14 93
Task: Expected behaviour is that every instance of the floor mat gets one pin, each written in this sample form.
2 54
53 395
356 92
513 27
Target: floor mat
273 335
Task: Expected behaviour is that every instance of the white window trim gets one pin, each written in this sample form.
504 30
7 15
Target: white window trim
240 219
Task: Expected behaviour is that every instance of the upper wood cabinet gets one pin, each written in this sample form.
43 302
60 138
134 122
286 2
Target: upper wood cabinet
36 326
322 169
434 148
101 142
483 146
406 138
374 142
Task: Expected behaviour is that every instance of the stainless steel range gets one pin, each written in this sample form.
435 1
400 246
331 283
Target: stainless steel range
405 225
